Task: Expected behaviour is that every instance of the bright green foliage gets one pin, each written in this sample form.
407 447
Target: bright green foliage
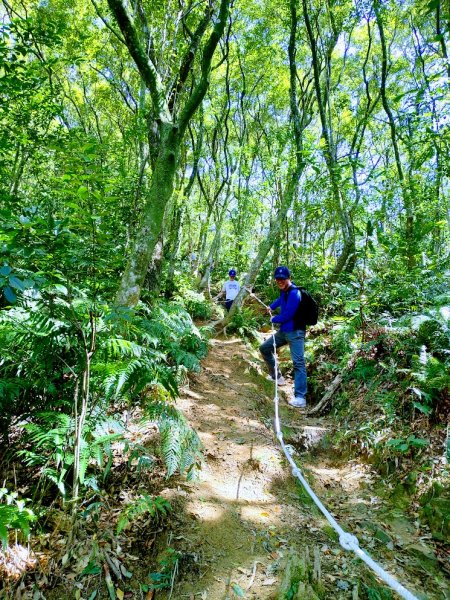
180 444
167 566
78 145
145 504
375 592
14 515
196 304
245 322
138 358
49 445
404 445
396 369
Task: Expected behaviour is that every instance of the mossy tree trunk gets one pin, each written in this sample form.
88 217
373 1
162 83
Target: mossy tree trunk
168 121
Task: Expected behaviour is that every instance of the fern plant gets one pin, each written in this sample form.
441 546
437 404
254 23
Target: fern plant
245 322
68 362
145 504
180 445
195 303
50 446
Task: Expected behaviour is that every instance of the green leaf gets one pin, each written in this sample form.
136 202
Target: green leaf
9 295
92 568
418 442
83 192
16 283
5 270
3 535
61 289
238 590
125 572
426 410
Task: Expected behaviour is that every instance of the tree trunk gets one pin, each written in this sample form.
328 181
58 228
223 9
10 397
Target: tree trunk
346 259
146 237
171 122
299 123
266 245
407 203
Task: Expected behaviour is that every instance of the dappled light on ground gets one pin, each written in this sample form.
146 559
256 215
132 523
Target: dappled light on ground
246 514
16 560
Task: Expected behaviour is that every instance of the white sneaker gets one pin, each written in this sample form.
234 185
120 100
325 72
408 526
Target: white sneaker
281 380
297 402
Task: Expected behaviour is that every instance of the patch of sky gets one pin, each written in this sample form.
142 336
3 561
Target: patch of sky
344 47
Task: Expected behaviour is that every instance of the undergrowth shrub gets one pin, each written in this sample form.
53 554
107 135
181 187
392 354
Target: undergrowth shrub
396 372
68 368
343 338
14 515
245 322
195 304
145 504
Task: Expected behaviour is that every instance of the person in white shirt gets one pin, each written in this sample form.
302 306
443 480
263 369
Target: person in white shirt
230 289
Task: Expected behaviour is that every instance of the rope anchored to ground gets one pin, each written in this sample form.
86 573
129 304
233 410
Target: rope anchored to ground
347 540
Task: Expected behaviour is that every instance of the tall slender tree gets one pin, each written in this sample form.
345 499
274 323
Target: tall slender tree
173 105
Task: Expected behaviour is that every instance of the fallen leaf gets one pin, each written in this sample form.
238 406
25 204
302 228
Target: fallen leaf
119 594
272 581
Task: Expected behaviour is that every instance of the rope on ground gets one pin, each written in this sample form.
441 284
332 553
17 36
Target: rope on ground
347 540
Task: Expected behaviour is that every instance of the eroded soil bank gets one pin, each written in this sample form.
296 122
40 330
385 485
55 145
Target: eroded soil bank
237 525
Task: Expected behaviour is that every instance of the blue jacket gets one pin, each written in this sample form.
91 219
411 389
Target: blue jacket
288 303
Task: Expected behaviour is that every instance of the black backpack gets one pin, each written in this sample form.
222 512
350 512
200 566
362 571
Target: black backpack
307 312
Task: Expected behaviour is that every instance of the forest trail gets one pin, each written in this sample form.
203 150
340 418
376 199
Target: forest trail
237 524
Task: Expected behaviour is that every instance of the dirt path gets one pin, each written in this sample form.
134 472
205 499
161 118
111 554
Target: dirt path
238 523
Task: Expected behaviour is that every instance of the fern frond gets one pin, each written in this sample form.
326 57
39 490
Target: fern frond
117 347
144 504
180 444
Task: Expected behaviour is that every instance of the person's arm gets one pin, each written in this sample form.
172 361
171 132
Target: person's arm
292 303
221 293
275 304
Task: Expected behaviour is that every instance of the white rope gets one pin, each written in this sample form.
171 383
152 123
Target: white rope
346 540
257 299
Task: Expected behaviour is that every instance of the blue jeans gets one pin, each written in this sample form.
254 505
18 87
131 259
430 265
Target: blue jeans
296 341
228 304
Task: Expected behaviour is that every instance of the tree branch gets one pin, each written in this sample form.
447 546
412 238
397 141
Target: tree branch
188 59
145 66
107 25
200 89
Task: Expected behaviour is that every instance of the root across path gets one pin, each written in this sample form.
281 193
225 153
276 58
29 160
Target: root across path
245 528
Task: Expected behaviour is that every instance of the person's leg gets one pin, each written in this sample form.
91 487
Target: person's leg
267 350
228 304
296 341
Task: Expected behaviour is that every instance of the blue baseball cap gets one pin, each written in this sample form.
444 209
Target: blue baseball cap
282 273
232 273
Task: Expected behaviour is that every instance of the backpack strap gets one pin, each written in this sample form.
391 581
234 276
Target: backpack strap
290 288
298 320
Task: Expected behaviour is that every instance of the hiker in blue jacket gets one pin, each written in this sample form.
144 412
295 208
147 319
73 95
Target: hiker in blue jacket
291 332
